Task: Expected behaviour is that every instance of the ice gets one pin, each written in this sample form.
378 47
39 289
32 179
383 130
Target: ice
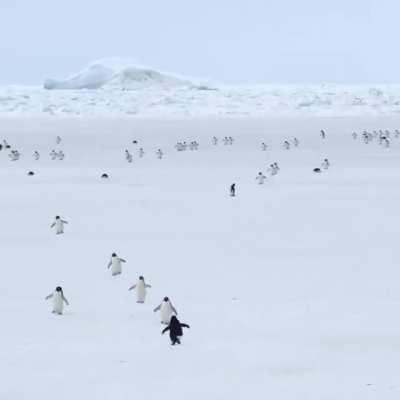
291 288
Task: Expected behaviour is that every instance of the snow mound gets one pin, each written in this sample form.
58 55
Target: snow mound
116 74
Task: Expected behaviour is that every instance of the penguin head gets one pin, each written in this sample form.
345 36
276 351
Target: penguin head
58 289
57 217
114 255
166 299
141 278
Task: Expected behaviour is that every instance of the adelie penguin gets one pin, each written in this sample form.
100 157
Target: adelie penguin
141 291
167 310
115 264
58 300
175 330
59 225
260 178
233 189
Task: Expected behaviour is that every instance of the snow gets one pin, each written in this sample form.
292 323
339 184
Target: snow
291 288
120 88
117 73
150 95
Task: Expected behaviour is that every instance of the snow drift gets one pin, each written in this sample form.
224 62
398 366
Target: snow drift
116 73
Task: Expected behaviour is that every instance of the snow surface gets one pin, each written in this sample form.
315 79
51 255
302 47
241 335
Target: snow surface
118 88
154 99
291 289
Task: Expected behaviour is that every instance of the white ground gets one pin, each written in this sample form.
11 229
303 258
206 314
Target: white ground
291 289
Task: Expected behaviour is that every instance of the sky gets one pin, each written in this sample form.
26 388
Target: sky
227 41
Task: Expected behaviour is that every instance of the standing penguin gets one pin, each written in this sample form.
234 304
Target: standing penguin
175 330
233 189
36 155
59 225
115 264
167 310
58 139
58 300
260 178
141 291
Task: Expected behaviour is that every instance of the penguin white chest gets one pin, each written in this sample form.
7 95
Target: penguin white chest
166 313
141 292
58 304
59 226
115 266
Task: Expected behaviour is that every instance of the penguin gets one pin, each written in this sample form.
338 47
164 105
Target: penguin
323 135
296 142
58 139
53 154
115 264
141 291
36 155
317 170
31 173
233 189
141 152
60 155
59 225
58 300
128 156
167 310
263 146
214 141
175 330
159 154
325 164
104 176
260 178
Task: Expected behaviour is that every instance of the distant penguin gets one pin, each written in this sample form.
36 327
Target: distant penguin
58 139
260 178
159 154
31 173
325 164
36 155
58 300
317 170
141 291
323 134
214 141
233 189
264 146
115 264
175 330
167 310
141 152
59 225
104 176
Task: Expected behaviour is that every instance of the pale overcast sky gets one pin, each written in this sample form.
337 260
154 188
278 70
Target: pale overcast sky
231 41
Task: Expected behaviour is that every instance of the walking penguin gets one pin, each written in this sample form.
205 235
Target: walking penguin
175 330
167 310
58 300
115 264
59 225
141 291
